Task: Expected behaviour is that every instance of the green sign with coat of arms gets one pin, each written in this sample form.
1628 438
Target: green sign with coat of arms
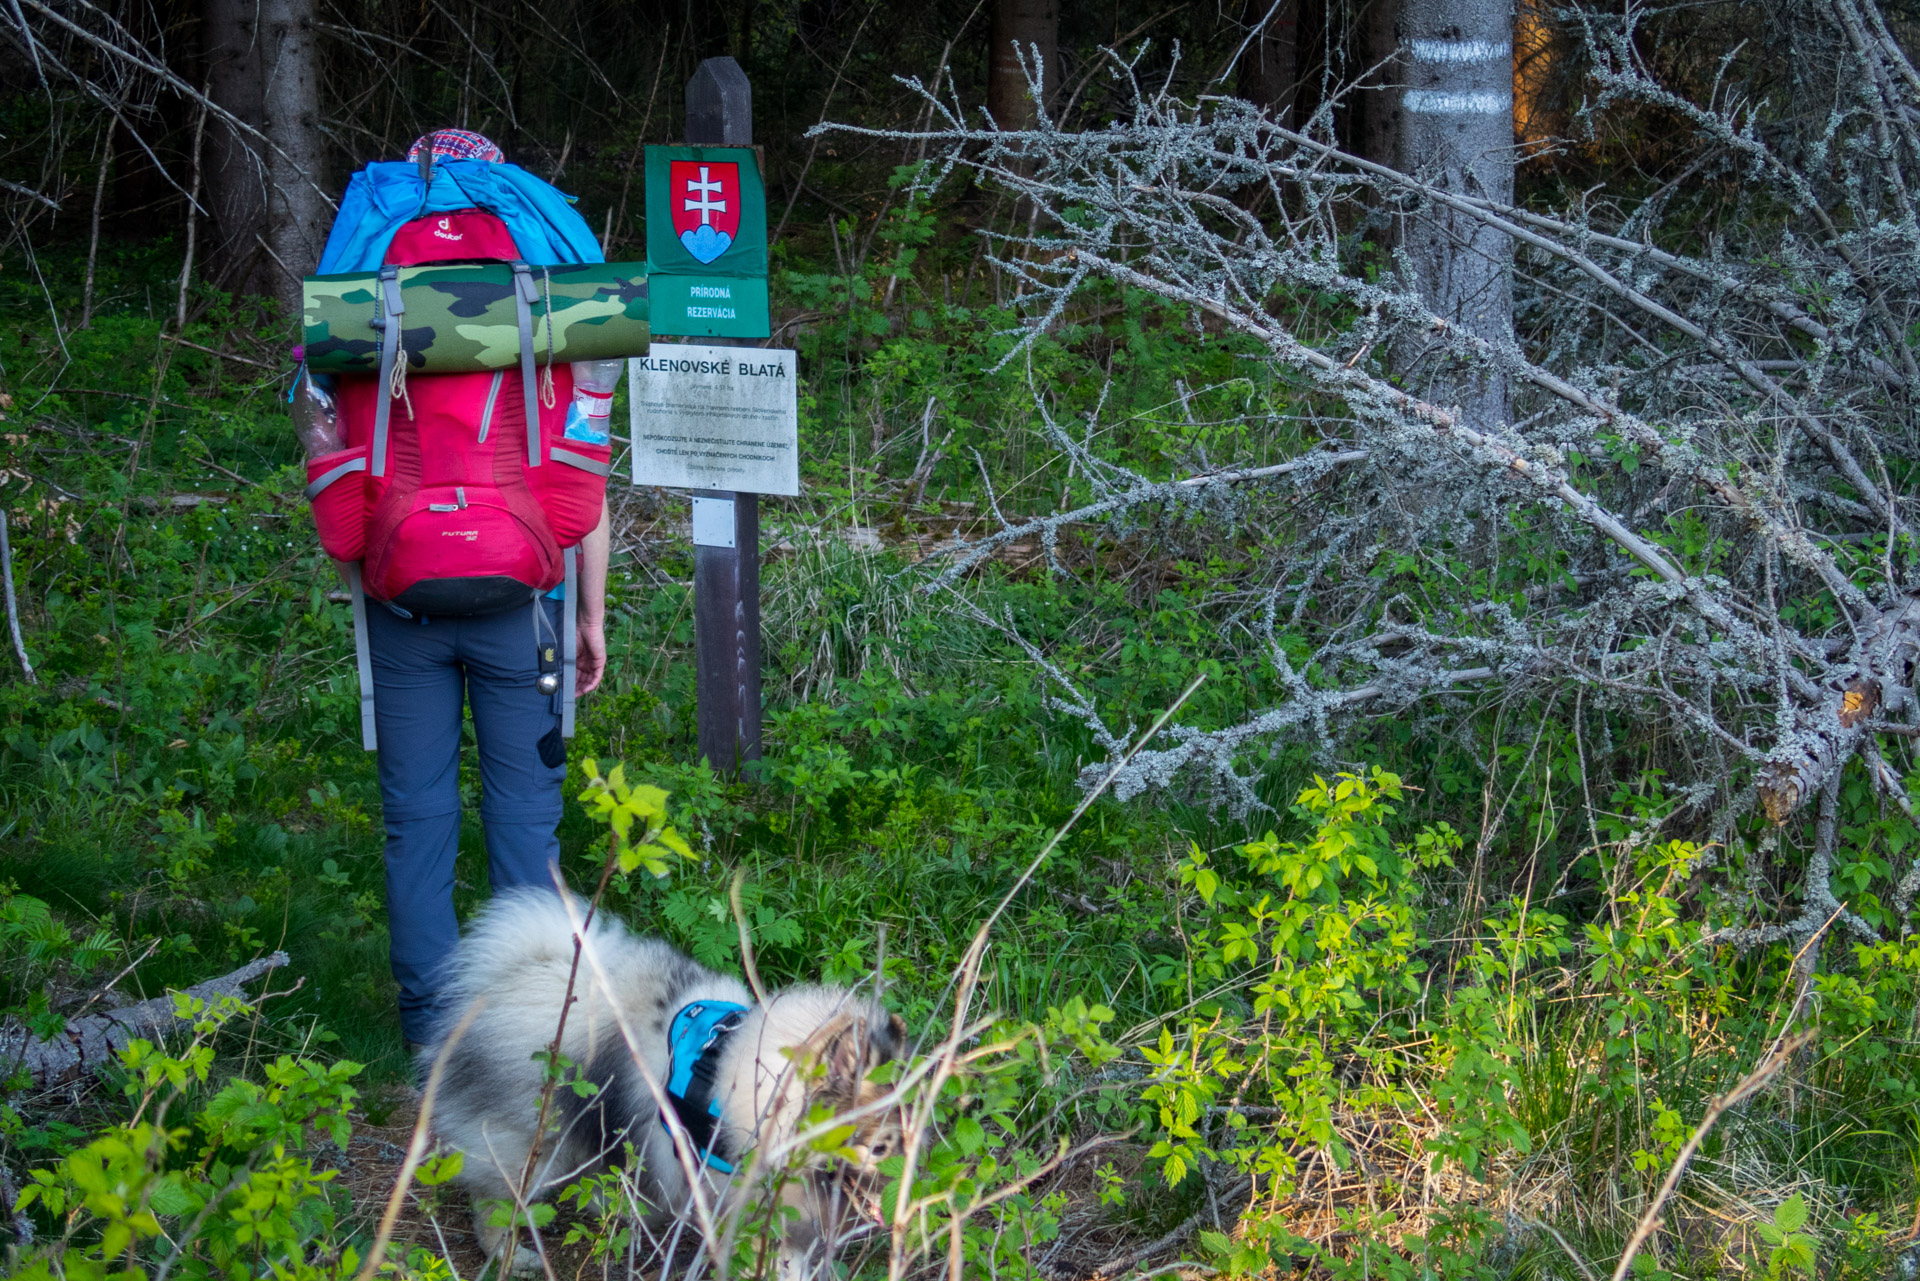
707 241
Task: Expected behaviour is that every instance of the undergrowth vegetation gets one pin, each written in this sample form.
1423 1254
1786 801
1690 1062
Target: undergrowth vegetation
1451 1006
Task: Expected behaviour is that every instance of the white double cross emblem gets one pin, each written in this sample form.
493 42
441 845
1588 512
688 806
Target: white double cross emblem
706 205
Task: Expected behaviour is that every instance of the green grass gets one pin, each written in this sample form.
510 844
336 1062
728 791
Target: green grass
187 776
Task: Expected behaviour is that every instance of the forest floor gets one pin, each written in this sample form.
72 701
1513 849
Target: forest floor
1488 1077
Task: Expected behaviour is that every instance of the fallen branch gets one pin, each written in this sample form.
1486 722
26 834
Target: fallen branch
88 1043
13 605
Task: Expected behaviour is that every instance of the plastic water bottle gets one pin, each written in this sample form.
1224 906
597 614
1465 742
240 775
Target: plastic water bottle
593 384
315 417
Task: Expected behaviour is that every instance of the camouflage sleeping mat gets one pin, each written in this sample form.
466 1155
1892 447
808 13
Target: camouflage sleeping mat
458 319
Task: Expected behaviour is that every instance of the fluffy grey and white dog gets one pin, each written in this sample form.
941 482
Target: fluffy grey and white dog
741 1075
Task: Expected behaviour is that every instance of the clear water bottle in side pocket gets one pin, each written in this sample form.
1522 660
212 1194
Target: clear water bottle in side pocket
593 384
316 419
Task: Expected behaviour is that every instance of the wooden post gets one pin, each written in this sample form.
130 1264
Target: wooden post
726 580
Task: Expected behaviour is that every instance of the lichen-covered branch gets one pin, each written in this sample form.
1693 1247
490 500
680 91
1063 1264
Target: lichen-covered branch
1699 513
96 1039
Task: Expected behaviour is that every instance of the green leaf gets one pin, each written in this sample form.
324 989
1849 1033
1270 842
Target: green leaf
438 1169
1791 1214
969 1135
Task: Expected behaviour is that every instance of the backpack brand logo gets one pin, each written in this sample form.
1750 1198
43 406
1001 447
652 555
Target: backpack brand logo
446 232
471 535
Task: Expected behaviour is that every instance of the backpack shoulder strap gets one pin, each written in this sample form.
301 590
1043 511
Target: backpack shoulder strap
391 302
524 295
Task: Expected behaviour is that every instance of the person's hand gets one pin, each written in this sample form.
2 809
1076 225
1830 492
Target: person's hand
589 658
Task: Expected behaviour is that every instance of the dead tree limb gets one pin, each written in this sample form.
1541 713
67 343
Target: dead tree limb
1759 396
13 604
91 1042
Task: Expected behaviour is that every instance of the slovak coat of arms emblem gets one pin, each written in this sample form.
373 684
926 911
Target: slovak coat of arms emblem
706 205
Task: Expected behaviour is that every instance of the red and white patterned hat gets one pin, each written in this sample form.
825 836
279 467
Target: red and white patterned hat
456 144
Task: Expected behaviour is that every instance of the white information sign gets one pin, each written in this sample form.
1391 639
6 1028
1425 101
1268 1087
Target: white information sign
715 418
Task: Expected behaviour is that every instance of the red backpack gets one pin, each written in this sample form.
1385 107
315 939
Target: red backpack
456 511
450 503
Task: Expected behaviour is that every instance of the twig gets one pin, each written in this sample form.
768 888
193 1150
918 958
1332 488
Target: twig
746 938
225 355
684 1148
1586 1269
193 226
915 1131
30 193
524 1190
416 1149
1121 1262
799 184
99 203
1748 1086
114 981
13 605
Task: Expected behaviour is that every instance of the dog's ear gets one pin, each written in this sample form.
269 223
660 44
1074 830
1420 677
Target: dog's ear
887 1035
855 1045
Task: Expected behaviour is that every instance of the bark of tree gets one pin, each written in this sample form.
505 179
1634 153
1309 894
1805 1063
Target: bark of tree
236 180
298 212
96 1039
1269 69
270 217
1025 24
1375 134
1453 125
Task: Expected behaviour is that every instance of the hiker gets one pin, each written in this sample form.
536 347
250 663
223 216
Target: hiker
475 540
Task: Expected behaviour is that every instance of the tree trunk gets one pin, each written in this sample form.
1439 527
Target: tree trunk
298 212
1026 24
1375 134
270 217
236 181
1269 68
1454 127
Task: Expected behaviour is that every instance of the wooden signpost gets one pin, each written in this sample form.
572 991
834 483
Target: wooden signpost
719 310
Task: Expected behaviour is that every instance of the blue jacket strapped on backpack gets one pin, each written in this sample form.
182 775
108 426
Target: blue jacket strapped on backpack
387 194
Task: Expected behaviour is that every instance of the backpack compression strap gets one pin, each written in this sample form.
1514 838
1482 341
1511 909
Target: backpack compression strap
363 655
523 297
569 655
395 310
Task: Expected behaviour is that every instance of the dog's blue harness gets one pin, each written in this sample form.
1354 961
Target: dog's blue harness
694 1041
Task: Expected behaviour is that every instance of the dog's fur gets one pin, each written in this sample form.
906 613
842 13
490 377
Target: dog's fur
806 1045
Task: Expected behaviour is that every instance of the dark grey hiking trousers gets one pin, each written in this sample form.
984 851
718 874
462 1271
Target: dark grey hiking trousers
424 672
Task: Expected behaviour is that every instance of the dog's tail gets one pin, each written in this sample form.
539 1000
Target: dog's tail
523 939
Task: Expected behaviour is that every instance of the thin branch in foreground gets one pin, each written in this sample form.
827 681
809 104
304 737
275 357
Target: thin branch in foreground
417 1149
1745 1089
